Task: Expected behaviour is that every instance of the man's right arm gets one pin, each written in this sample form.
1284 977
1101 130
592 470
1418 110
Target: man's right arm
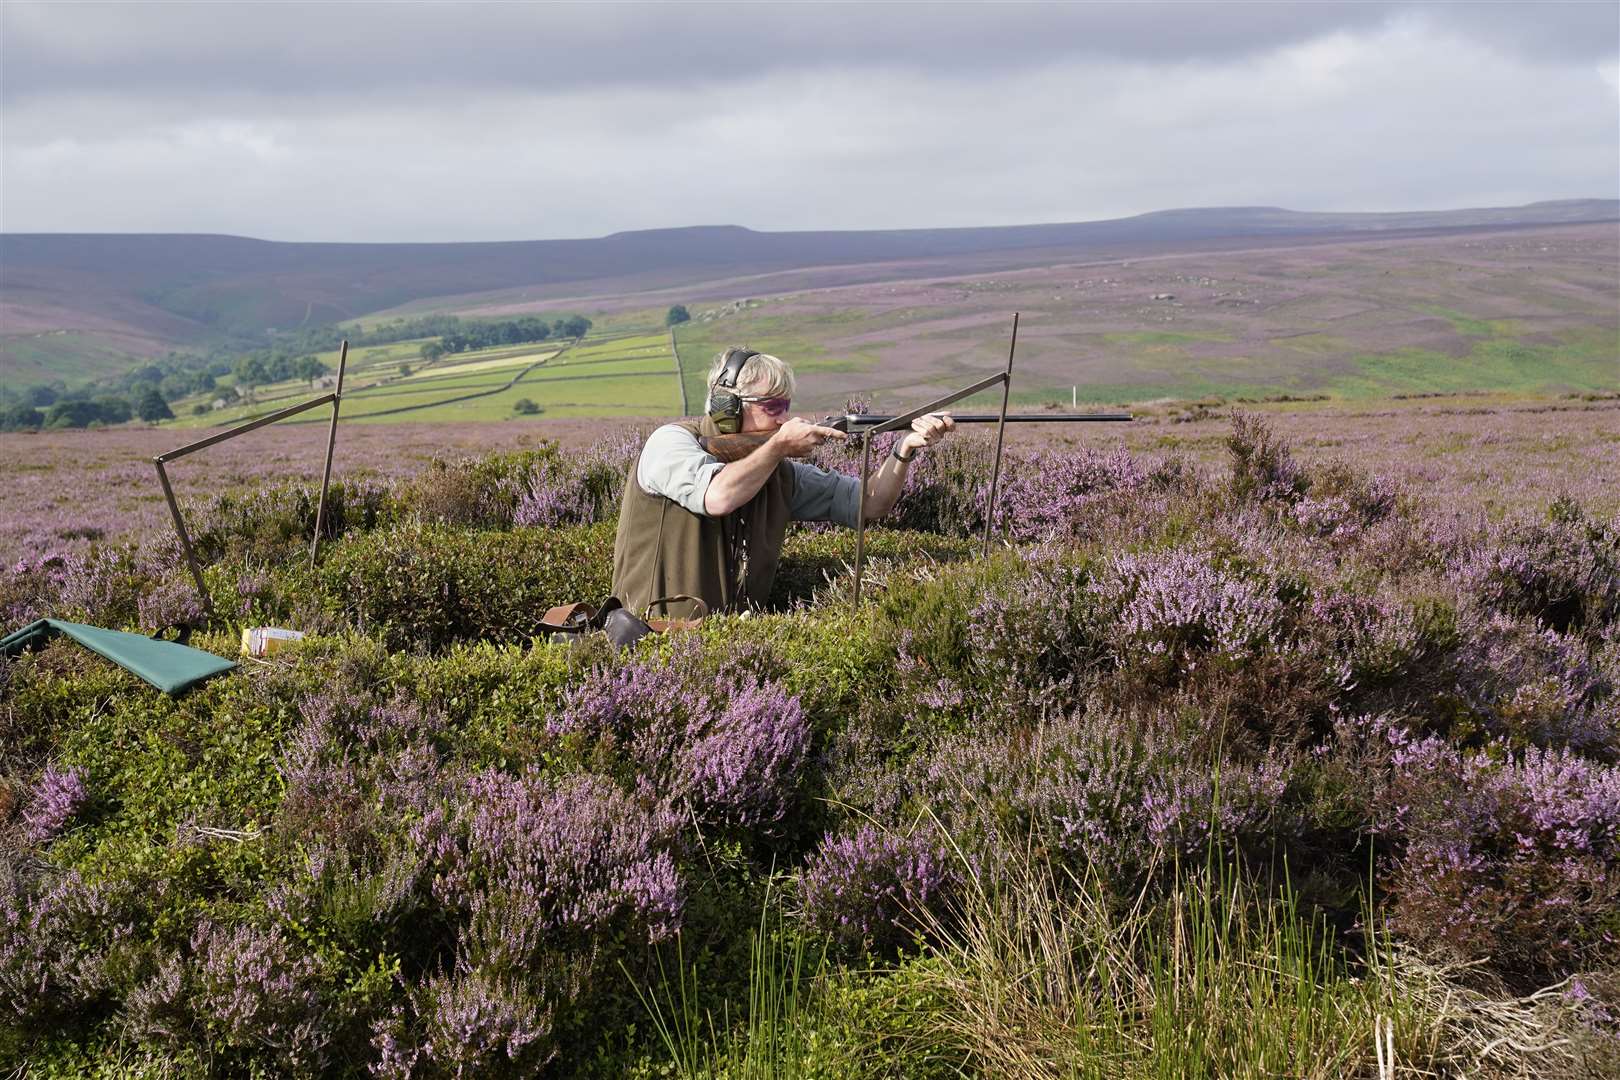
675 466
741 480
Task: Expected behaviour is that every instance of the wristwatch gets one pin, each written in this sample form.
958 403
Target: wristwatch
894 452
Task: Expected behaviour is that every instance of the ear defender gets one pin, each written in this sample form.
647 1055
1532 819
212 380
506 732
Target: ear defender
725 405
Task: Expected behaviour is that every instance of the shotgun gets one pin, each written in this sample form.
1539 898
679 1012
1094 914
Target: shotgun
729 448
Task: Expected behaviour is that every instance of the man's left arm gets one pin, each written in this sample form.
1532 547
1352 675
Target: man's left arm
883 488
824 496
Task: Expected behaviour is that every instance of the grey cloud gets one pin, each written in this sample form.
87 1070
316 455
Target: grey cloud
338 49
1384 122
416 123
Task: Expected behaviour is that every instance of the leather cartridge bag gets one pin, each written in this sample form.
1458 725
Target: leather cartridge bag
572 622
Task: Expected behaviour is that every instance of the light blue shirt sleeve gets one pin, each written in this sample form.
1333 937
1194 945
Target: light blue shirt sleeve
819 495
674 465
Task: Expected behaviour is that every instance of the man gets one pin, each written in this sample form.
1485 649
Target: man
692 525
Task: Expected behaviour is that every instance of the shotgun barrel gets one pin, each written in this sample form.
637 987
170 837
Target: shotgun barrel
730 448
853 422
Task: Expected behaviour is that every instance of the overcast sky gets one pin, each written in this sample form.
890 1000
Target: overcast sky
464 121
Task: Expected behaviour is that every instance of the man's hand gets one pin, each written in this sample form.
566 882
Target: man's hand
926 431
798 437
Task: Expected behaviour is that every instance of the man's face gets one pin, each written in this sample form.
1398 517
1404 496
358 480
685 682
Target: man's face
761 413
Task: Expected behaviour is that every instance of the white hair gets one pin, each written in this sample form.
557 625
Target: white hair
762 375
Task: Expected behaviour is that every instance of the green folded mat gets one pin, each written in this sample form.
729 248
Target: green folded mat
167 665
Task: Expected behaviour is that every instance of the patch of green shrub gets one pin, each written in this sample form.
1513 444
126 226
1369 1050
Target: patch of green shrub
476 492
273 524
812 559
426 587
834 660
496 696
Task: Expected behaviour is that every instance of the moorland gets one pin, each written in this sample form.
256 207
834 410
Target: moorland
1271 737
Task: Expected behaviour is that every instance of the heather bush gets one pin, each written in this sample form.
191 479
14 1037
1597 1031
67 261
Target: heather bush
580 488
252 989
102 586
331 795
172 602
1530 685
540 487
56 930
1564 571
1364 643
552 496
538 885
540 862
1116 796
1333 503
1065 493
1514 857
1043 494
945 487
1004 644
868 889
1165 610
718 735
464 1025
1263 466
59 795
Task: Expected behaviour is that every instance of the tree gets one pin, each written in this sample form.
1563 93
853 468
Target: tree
72 414
525 407
112 409
250 371
21 417
404 370
151 407
574 326
309 368
174 386
677 315
432 350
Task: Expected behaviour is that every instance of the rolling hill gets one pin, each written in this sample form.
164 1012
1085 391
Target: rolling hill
75 307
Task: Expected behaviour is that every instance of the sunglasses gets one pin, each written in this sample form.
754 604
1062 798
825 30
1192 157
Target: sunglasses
775 406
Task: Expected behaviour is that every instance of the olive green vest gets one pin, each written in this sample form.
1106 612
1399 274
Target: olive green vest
663 549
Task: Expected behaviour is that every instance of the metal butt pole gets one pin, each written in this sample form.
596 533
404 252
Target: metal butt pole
860 517
1001 434
331 441
185 540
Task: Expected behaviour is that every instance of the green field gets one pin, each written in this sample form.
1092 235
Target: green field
1586 362
618 374
367 366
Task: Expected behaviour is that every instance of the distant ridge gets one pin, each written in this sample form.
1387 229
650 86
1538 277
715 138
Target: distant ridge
96 301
